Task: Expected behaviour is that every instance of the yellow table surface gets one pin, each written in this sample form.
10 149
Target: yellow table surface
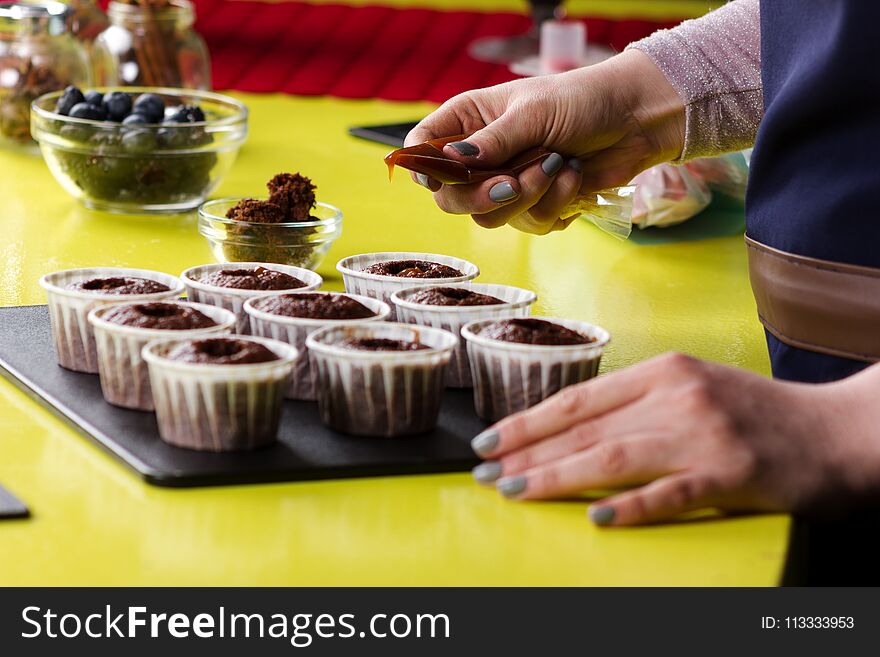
94 522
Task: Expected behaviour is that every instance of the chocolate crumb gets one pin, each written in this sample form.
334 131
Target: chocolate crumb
254 211
294 194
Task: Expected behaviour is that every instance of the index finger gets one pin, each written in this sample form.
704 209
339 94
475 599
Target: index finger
565 409
442 122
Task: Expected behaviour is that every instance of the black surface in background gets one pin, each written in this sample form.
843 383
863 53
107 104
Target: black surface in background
391 134
306 448
11 506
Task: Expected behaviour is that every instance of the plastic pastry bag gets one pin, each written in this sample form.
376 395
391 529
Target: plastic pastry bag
667 195
726 174
611 210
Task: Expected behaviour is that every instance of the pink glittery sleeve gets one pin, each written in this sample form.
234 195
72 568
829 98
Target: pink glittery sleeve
714 63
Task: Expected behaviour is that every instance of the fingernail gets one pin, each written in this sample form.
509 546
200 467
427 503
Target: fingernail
511 486
575 164
423 179
552 164
502 192
487 472
464 148
485 442
601 515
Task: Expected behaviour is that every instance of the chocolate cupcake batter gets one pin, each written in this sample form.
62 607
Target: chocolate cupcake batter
257 278
167 316
222 351
413 269
452 296
315 306
381 344
119 285
533 331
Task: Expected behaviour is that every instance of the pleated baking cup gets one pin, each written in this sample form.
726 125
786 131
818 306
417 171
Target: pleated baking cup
295 330
517 303
380 393
68 309
125 380
510 377
381 287
233 298
218 407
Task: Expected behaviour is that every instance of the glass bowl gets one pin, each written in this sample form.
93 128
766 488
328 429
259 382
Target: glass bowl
297 243
142 168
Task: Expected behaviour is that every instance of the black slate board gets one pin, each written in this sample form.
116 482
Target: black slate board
306 449
11 506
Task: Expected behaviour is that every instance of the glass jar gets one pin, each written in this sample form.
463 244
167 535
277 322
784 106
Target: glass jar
151 44
86 20
37 55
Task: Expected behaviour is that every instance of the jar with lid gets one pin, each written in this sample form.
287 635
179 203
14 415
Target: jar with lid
151 43
37 55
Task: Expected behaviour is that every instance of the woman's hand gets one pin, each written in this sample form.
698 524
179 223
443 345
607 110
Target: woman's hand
603 124
686 435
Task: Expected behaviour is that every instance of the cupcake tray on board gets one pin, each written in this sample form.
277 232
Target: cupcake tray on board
306 450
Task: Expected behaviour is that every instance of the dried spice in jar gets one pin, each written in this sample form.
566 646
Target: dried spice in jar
151 43
37 55
86 20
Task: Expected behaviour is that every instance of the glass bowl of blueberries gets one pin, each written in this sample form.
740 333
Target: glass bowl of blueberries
139 149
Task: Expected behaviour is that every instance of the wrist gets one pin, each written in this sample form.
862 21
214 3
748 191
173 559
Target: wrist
853 417
649 100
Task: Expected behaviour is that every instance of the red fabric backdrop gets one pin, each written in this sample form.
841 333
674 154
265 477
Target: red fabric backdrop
365 52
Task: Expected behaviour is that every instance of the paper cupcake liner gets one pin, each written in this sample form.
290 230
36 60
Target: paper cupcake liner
218 408
295 330
510 377
72 334
375 393
233 298
518 303
382 287
125 380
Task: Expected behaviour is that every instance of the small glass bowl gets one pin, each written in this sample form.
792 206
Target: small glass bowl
143 168
297 243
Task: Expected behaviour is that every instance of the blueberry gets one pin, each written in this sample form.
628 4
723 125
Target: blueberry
76 132
172 137
138 141
71 96
135 119
106 138
151 106
95 98
187 114
117 104
87 111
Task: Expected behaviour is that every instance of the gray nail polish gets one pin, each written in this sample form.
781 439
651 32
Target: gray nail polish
502 192
487 472
601 515
465 148
485 442
575 164
423 179
511 486
552 164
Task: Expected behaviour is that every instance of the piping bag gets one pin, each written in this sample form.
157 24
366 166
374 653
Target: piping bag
610 209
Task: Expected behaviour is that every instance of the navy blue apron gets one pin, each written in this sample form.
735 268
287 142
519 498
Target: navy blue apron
814 190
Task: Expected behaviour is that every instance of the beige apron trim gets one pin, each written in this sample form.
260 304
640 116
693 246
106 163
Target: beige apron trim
827 307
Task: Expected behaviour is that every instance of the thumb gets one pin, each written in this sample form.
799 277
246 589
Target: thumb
497 143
